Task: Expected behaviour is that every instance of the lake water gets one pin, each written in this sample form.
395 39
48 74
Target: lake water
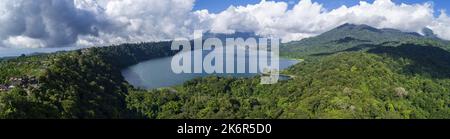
157 73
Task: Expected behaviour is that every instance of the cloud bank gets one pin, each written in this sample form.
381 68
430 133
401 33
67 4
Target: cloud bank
43 23
62 23
307 19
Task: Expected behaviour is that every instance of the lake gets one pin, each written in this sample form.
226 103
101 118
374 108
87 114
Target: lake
157 73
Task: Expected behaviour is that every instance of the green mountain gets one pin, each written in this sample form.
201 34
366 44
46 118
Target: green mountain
349 36
427 32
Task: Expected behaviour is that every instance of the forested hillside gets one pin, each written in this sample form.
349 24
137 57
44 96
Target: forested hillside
84 83
353 71
358 37
345 85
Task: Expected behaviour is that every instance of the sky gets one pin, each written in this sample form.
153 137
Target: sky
45 24
216 6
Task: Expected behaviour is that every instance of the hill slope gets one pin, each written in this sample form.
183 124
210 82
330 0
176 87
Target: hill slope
353 71
350 36
345 85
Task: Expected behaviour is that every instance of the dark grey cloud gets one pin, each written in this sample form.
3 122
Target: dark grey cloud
48 23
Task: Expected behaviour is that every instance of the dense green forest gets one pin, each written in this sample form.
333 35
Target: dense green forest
344 85
85 83
353 71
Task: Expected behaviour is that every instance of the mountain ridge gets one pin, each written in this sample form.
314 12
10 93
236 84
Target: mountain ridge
347 36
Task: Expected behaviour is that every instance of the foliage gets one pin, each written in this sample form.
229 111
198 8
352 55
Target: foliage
85 83
345 85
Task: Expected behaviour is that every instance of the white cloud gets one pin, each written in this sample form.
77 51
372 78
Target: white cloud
140 20
24 41
309 18
441 26
150 19
56 23
248 18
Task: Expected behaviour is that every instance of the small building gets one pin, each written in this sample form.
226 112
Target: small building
16 81
3 88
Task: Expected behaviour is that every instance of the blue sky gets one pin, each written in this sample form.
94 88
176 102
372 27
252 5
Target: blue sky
215 6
